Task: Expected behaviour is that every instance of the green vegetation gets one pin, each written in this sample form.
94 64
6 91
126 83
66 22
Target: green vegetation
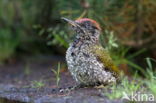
57 74
151 76
7 44
126 86
119 52
135 85
37 84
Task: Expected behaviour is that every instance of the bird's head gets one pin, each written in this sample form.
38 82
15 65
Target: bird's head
85 27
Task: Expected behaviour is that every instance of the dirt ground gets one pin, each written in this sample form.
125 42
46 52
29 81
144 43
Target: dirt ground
33 81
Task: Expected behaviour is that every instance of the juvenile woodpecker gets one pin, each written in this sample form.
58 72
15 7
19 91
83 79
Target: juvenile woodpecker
88 62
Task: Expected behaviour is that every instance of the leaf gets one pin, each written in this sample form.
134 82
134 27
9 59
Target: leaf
41 31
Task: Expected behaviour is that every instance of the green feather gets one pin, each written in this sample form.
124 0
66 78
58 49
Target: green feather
104 57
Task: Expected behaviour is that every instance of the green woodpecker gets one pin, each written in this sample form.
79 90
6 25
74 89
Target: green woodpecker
88 62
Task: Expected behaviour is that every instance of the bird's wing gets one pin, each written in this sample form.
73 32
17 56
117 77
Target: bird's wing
104 57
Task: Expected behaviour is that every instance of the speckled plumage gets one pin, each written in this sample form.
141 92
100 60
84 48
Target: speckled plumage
83 63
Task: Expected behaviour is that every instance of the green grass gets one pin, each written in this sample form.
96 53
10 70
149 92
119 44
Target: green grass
57 74
135 84
126 86
151 76
37 84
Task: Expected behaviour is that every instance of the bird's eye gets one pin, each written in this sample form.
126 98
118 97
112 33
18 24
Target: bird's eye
83 25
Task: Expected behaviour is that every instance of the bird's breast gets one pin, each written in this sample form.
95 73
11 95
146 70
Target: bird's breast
83 64
79 57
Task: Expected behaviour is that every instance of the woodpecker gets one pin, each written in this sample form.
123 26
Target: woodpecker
88 62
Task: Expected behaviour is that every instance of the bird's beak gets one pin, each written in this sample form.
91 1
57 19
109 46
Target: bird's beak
73 23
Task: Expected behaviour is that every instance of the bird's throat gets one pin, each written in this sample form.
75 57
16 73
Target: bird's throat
84 39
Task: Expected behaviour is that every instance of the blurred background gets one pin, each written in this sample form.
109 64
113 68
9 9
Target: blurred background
30 28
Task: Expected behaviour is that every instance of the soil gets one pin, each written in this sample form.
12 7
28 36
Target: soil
31 80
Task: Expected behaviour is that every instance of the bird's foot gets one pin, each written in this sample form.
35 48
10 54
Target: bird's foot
68 89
